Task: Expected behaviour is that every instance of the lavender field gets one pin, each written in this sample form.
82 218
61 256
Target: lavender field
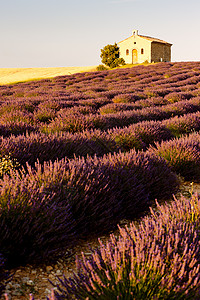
81 153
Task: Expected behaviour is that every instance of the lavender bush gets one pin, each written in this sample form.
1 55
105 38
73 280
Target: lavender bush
166 267
182 154
16 128
116 107
175 97
125 98
124 184
33 147
34 226
157 259
183 124
140 135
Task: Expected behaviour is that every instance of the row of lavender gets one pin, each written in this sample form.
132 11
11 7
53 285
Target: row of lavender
37 146
19 122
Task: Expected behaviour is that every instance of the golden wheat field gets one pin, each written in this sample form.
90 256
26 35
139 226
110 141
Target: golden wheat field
14 75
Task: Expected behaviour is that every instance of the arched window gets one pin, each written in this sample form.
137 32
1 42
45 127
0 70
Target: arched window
127 52
142 51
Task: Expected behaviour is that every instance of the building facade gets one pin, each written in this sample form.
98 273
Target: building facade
138 49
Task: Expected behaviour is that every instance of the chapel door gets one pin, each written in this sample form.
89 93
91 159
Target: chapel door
134 56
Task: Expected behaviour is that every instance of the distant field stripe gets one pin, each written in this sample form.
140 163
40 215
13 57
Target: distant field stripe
14 75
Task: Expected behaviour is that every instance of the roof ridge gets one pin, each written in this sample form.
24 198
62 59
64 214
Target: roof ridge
152 39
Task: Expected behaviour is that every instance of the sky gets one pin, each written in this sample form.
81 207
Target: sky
69 33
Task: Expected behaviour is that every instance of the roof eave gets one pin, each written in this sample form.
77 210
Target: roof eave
165 43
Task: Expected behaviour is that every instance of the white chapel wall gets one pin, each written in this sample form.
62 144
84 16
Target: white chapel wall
140 43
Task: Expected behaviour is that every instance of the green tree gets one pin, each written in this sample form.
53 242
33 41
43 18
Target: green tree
110 56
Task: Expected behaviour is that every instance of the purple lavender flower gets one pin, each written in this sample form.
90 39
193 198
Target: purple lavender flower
157 258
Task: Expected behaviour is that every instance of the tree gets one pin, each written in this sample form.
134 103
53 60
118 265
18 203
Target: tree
110 56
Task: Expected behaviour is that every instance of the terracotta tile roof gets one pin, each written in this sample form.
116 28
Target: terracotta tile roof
148 38
154 39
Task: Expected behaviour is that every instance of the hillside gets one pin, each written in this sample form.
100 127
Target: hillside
82 153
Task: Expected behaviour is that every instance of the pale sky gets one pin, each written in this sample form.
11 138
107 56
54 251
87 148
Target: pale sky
67 33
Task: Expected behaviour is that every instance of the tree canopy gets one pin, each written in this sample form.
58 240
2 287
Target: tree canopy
110 56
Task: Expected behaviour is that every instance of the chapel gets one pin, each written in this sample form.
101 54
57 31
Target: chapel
137 49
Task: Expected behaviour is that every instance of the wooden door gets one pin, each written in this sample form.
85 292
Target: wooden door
134 56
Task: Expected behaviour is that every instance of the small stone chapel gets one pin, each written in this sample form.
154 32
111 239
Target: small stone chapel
139 48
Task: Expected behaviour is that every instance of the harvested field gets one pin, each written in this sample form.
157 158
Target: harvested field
14 75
